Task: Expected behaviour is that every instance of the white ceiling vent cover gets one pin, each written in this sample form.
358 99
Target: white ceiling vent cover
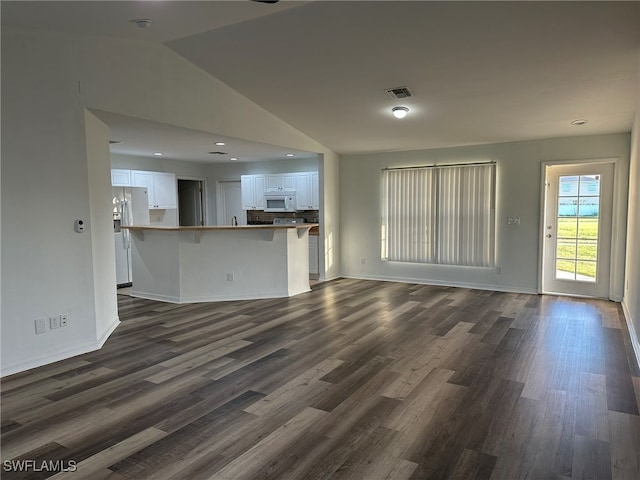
399 92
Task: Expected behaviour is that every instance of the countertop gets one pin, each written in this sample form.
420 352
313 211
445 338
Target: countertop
220 227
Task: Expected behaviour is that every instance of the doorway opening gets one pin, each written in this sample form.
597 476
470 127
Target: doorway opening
576 232
191 207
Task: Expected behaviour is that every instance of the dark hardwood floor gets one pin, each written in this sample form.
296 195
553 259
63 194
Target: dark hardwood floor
354 380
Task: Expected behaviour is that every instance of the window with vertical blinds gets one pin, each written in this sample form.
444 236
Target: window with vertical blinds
443 215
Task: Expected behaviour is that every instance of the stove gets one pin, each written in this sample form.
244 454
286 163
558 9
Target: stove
287 221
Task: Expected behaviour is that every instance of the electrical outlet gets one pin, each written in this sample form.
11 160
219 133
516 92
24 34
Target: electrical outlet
54 322
229 277
363 260
41 325
499 270
64 319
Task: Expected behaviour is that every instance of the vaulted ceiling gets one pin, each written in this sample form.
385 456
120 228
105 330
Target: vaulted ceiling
480 72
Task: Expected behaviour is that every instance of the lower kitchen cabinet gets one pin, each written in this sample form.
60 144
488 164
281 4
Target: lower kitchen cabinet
314 267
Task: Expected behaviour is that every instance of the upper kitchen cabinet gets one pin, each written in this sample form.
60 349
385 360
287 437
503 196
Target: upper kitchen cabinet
253 188
308 191
281 182
120 178
162 188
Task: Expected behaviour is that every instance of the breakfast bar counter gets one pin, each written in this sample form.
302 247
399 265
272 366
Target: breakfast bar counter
215 263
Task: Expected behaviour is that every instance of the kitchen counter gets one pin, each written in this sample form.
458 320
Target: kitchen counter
214 263
221 227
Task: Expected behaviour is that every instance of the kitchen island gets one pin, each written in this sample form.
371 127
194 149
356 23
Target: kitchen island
207 264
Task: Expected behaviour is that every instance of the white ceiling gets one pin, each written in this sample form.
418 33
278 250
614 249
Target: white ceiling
143 138
481 72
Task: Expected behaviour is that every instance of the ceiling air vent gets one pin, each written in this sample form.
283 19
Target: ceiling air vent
399 92
218 153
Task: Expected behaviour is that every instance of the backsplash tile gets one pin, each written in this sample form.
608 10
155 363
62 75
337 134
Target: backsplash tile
260 217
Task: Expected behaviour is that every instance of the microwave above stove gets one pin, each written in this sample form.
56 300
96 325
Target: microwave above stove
280 202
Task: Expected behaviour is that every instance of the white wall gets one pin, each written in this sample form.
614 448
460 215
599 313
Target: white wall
101 227
631 301
517 194
330 245
47 268
180 167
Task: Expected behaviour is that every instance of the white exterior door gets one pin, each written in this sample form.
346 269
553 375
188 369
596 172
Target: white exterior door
577 229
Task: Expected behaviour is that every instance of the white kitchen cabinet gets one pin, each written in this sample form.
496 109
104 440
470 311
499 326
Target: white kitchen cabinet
315 191
314 267
307 191
281 182
120 177
161 186
166 190
144 179
252 191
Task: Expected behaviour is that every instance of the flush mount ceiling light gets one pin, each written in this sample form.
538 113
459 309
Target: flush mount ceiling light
220 144
579 122
399 112
158 154
142 22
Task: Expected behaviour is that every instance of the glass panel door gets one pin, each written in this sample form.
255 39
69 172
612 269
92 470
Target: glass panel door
577 229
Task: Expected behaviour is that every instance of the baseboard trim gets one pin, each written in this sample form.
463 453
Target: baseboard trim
427 281
322 278
63 355
635 342
107 333
216 298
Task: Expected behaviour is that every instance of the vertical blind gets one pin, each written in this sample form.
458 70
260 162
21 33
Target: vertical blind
442 215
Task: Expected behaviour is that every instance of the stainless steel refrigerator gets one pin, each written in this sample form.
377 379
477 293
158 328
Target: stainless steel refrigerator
130 207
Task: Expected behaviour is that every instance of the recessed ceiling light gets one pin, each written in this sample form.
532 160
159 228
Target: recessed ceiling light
233 159
579 122
399 112
289 155
158 154
220 144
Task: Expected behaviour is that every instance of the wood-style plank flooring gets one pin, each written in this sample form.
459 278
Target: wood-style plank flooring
354 380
